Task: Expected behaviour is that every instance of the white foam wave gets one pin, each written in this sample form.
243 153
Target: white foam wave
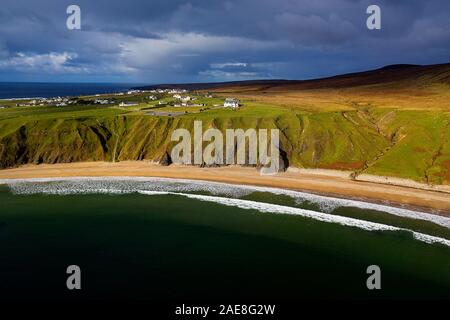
164 186
326 204
324 217
274 208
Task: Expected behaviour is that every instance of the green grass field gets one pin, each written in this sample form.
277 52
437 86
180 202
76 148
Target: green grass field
398 130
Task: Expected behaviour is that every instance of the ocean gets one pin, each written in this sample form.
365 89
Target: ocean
14 90
173 240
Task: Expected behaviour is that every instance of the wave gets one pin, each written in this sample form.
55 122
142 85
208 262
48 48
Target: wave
71 185
320 216
181 187
274 208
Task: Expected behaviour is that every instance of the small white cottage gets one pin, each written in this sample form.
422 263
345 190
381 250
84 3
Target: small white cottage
128 104
231 103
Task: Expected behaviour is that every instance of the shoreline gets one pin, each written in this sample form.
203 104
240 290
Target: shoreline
322 182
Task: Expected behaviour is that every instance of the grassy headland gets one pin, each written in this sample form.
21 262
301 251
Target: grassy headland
392 122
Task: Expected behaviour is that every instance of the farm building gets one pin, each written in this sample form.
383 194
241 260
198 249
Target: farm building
128 104
231 103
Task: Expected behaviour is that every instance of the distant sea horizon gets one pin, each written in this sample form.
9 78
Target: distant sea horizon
15 90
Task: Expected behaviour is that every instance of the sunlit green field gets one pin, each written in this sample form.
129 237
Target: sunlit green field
391 130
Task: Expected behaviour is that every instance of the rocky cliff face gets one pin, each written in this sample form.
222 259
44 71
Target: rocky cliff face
111 139
390 144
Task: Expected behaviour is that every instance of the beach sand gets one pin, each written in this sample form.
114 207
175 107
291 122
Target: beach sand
336 184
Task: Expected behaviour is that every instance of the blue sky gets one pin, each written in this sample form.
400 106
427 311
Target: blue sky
157 41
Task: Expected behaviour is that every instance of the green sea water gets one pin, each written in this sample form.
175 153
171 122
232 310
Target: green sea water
169 247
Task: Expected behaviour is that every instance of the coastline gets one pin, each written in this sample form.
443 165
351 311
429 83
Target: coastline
336 184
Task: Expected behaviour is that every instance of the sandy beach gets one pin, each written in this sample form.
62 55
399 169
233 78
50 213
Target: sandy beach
322 182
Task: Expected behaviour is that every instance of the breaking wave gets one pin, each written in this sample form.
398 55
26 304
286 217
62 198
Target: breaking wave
320 216
226 194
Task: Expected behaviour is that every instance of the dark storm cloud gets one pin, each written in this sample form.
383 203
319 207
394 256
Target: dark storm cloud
178 41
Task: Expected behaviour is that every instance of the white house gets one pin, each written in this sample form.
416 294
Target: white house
133 91
231 103
101 101
128 104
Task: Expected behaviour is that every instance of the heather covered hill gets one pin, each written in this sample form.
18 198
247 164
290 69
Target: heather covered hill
400 74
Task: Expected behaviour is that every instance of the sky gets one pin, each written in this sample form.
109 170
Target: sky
172 41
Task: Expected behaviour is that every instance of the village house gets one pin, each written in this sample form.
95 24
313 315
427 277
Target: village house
174 91
128 104
133 91
231 103
101 101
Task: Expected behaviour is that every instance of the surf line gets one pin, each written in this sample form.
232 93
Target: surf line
320 216
326 203
19 186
